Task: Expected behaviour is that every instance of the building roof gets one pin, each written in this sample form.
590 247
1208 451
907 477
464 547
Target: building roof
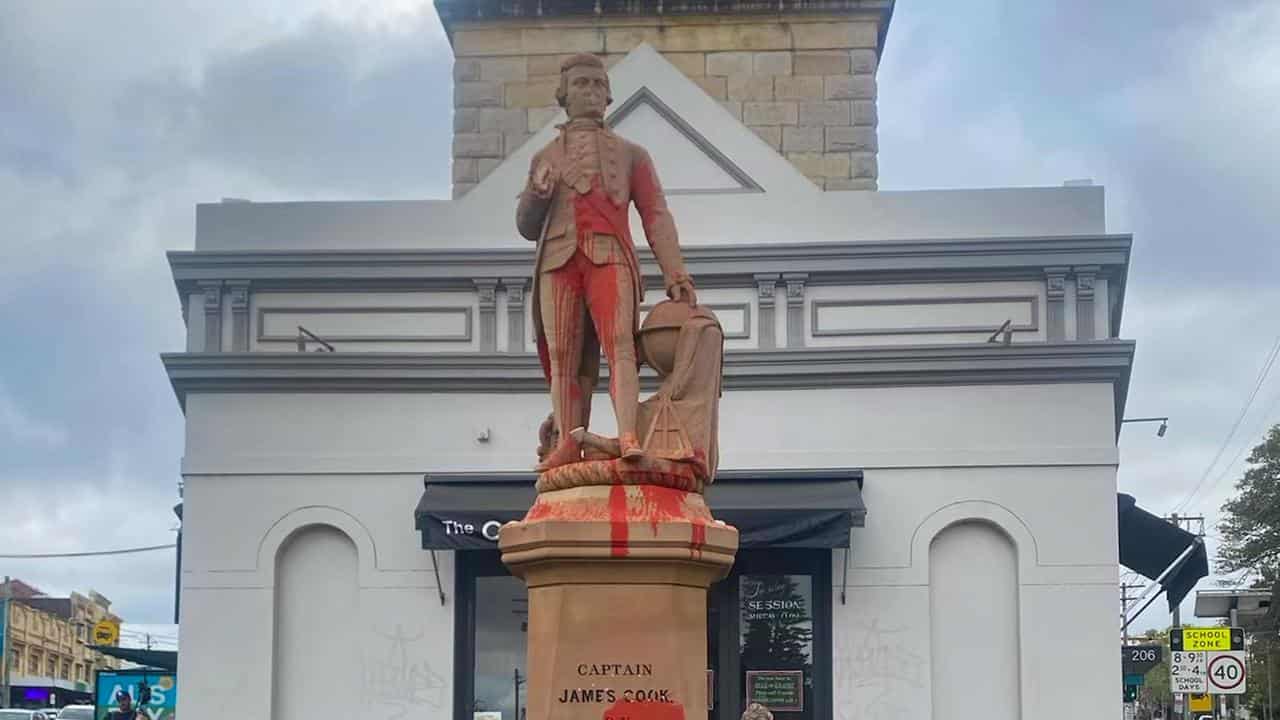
453 12
54 606
15 588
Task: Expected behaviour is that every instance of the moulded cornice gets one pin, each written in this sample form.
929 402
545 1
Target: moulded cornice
1108 361
713 265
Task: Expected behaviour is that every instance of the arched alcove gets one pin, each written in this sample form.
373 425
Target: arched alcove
315 663
974 622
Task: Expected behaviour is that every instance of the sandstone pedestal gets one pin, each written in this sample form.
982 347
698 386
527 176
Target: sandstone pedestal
618 579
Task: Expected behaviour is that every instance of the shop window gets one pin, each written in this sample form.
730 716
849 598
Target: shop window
492 615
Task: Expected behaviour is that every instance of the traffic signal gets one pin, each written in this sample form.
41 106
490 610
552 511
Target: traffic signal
1130 693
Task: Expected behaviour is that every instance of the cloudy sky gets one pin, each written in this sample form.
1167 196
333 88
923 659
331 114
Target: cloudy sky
117 117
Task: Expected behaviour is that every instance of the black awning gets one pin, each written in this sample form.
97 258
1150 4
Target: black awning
1149 545
158 659
792 509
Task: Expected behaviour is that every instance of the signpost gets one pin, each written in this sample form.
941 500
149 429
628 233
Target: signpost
1211 639
1200 703
1205 662
106 632
1187 671
1139 659
1226 673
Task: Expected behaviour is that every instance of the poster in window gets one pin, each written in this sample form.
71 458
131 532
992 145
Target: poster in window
777 690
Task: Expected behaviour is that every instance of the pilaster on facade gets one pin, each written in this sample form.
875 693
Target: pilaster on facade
1085 326
212 290
515 288
487 296
766 289
1055 307
795 283
238 290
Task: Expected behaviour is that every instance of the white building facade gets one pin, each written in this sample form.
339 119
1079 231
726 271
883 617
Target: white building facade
978 579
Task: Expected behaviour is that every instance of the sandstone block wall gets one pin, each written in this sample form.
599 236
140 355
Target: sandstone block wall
805 85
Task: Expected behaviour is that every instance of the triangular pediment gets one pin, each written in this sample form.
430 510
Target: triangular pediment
697 145
690 162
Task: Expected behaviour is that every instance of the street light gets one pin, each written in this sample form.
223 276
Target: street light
1160 431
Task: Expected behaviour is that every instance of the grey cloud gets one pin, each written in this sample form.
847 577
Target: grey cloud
1164 108
313 111
1168 110
117 132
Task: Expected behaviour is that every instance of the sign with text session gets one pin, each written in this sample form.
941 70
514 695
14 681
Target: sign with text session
777 690
164 693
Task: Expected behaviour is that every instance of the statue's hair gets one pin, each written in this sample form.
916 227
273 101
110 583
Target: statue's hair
580 60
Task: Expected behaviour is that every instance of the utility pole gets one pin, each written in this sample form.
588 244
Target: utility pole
4 643
1124 607
518 682
1193 524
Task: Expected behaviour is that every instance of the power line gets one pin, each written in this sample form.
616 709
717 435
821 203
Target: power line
94 553
1257 427
1262 378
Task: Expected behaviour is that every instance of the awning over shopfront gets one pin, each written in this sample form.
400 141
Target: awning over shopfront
158 659
1159 550
770 508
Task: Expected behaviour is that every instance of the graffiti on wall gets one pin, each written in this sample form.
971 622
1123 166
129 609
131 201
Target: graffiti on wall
877 674
396 672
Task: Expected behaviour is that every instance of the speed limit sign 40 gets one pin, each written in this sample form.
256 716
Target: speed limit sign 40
1226 673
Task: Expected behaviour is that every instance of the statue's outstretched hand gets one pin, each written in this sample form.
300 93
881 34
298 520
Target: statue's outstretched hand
541 181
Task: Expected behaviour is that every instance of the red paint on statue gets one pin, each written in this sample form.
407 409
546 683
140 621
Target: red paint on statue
644 710
618 530
663 504
699 539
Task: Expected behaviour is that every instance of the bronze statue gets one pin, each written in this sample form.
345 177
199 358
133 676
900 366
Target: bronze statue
587 286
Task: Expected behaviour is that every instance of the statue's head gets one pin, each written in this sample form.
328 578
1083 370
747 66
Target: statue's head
584 86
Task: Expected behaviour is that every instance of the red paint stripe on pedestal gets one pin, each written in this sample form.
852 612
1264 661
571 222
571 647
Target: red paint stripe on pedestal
618 519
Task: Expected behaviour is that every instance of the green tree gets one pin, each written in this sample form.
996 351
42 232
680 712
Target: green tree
1250 525
1250 533
1155 688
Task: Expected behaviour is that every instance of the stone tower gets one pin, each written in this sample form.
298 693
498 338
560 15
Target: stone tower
800 73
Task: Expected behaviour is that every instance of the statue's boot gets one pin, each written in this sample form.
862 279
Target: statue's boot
596 447
629 446
568 451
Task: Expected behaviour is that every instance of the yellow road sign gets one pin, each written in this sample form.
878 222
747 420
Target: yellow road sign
106 632
1206 639
1200 703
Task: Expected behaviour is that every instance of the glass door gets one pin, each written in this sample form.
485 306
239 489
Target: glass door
770 636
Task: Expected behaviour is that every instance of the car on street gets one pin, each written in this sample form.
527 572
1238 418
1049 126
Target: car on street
76 712
14 714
